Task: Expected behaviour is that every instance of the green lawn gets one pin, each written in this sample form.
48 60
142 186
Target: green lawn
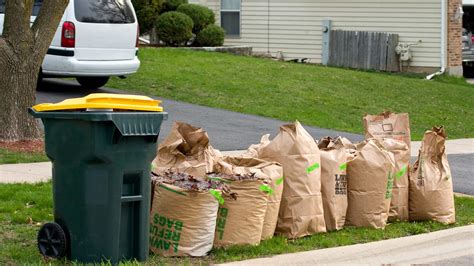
24 207
319 96
7 157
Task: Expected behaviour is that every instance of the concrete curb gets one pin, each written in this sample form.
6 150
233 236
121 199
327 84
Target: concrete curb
440 246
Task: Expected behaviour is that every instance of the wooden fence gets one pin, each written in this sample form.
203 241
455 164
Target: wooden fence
363 50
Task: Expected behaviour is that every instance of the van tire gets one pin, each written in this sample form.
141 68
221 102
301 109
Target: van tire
92 83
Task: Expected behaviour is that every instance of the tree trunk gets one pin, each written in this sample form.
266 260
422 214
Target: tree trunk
18 88
22 50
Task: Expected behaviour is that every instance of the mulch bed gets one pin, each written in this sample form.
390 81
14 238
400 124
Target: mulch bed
29 146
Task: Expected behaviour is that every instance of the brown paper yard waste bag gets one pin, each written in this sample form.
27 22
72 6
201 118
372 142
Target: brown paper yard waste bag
253 150
187 150
334 160
369 185
431 183
240 220
270 171
394 126
399 203
301 208
183 216
388 125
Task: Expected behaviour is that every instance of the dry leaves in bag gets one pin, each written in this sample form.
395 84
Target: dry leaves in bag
240 220
399 203
370 181
431 184
187 150
270 171
387 127
334 160
301 208
183 214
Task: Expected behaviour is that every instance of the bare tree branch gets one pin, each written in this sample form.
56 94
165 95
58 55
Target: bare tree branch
46 24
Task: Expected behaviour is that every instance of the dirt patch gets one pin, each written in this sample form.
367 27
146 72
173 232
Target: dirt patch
31 146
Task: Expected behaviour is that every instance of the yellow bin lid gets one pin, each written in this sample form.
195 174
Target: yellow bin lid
104 101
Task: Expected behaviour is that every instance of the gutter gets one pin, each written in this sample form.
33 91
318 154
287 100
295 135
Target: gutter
443 42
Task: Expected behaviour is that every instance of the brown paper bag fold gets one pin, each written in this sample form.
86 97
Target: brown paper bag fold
334 160
301 208
186 150
431 183
370 181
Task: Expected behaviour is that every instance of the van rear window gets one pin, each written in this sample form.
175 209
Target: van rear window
104 11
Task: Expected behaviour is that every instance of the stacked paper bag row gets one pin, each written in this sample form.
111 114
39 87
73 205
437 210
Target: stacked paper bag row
300 186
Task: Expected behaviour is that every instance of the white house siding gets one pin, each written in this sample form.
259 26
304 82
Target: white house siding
294 27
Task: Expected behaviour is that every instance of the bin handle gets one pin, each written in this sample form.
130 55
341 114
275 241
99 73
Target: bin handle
132 198
133 124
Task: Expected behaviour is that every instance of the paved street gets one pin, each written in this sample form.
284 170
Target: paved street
235 131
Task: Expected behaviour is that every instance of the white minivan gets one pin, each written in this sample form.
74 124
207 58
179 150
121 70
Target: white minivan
96 39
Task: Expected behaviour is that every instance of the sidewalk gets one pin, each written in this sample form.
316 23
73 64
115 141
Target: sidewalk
38 172
25 172
446 247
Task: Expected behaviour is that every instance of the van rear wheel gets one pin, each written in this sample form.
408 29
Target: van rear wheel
92 83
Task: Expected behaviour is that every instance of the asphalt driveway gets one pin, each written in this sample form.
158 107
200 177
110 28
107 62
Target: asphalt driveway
227 130
235 131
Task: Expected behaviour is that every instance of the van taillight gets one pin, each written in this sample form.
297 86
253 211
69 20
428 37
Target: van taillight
138 36
68 36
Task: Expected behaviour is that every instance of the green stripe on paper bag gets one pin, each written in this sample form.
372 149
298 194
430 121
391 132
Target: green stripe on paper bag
279 181
343 166
266 189
312 168
401 172
218 195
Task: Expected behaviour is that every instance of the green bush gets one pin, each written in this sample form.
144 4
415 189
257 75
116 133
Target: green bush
174 28
201 15
212 35
172 5
147 12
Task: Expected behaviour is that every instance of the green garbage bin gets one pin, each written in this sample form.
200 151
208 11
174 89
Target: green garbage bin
101 177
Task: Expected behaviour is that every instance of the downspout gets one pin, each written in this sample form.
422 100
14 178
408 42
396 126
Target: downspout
443 42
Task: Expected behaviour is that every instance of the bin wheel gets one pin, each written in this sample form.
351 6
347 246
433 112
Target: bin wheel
52 240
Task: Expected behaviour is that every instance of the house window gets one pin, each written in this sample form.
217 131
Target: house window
230 17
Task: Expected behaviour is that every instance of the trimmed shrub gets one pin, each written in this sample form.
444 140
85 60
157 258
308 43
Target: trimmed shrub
174 28
201 15
172 5
147 11
212 35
